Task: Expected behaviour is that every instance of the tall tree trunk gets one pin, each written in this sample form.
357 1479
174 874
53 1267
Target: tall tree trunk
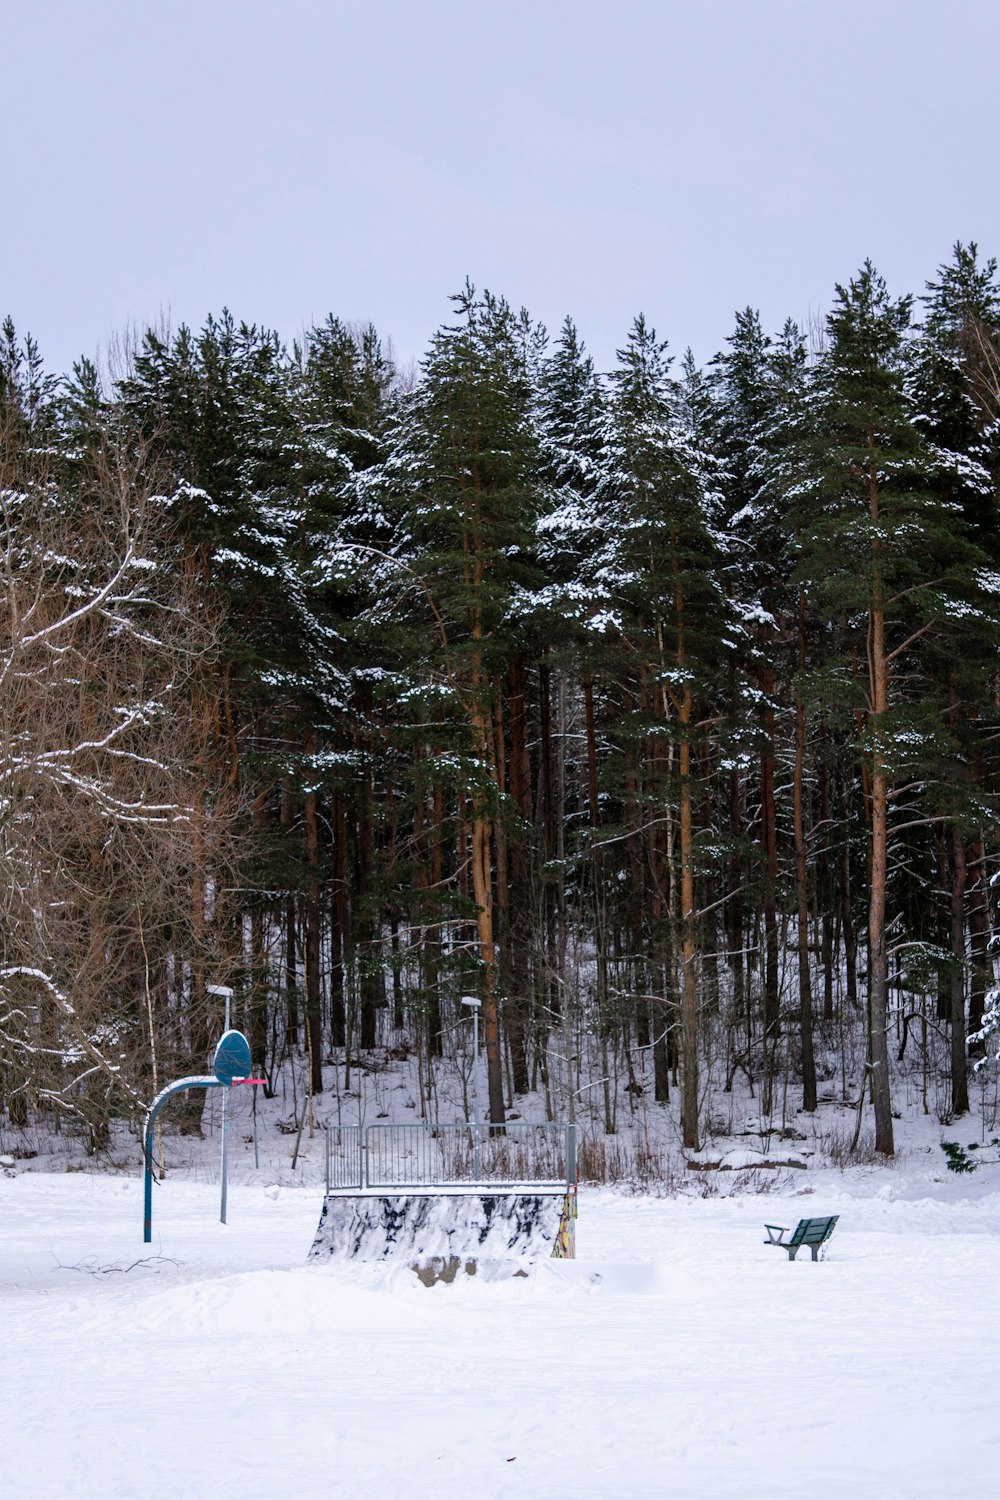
942 921
689 988
735 923
824 891
338 922
547 815
802 886
709 921
371 977
594 810
633 938
959 1053
847 927
259 988
878 963
769 846
517 952
878 968
312 934
291 977
482 886
482 882
509 891
205 1026
660 935
391 882
684 706
370 973
432 947
979 939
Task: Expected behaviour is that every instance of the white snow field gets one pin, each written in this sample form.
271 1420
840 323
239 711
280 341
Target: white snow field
677 1356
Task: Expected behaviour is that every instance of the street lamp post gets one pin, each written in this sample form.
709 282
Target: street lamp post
475 1005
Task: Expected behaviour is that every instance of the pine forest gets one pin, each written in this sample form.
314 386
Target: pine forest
656 709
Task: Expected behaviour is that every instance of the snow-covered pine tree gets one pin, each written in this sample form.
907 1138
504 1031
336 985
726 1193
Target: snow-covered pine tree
658 569
214 409
743 399
461 478
889 565
957 395
343 397
774 469
963 319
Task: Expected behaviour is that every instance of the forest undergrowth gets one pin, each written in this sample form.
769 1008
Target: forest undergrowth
278 1136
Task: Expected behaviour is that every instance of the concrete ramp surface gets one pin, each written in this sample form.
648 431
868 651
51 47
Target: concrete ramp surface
443 1225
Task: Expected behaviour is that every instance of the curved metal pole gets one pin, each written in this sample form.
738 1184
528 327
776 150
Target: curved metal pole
201 1081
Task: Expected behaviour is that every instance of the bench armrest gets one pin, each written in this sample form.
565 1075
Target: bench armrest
775 1234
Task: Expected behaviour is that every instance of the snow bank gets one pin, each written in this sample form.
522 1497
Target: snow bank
421 1226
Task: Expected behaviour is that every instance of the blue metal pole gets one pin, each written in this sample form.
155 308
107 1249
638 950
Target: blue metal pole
476 1161
228 994
199 1082
225 1163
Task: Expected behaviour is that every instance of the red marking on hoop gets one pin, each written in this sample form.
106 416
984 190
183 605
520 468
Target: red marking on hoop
235 1083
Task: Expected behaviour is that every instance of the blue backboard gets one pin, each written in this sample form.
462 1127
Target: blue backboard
232 1057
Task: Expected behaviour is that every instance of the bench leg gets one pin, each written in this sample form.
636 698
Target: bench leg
793 1251
815 1250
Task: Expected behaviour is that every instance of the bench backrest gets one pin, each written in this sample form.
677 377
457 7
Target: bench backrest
813 1231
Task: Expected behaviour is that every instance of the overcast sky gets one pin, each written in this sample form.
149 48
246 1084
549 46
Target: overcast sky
597 157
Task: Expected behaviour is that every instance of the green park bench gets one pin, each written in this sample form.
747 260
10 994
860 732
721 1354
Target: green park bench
811 1232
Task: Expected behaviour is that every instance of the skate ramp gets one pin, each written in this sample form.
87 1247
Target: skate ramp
445 1227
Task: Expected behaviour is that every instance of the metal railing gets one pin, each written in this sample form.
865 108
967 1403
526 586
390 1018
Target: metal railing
343 1156
392 1156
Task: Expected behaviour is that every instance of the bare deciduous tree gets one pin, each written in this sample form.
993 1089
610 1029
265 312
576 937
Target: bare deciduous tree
102 648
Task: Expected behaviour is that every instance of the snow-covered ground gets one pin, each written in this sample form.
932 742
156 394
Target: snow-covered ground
677 1356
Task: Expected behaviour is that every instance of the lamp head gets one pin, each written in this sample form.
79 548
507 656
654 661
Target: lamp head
472 1001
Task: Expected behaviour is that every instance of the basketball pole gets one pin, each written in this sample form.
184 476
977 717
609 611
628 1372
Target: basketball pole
232 1066
226 994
